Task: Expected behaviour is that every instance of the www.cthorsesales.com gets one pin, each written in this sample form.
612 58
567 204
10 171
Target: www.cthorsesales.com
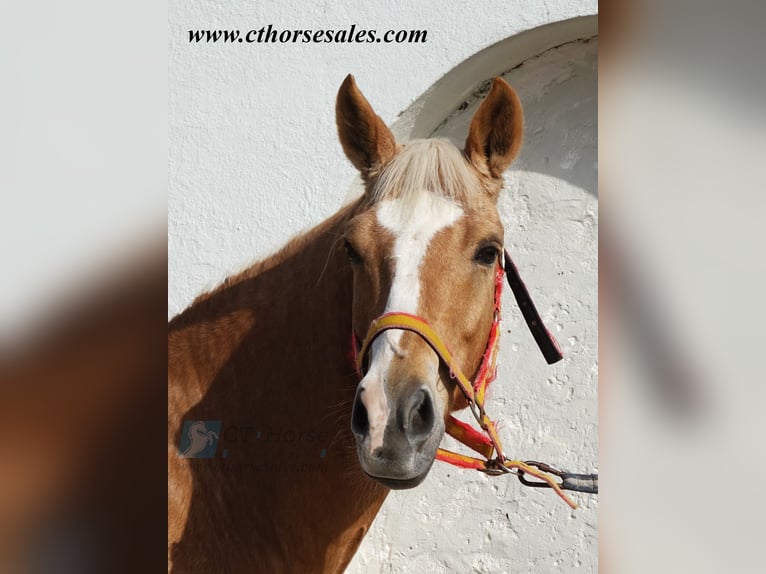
271 35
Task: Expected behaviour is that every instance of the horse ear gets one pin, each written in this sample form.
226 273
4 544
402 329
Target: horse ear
494 138
366 140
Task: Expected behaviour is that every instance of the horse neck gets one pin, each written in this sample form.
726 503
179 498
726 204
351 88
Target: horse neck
299 296
268 351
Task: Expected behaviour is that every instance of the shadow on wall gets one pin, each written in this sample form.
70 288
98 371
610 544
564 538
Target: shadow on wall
554 70
558 90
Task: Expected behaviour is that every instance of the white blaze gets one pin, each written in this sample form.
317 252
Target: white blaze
414 222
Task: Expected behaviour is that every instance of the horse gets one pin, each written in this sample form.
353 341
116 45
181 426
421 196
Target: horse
309 447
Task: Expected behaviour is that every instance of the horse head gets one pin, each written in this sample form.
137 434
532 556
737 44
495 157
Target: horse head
426 241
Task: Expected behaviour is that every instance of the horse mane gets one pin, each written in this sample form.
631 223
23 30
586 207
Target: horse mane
426 165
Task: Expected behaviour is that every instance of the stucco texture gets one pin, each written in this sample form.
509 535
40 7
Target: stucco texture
254 159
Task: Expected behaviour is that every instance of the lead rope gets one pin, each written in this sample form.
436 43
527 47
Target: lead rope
486 442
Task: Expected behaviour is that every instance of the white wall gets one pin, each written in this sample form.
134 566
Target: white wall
254 159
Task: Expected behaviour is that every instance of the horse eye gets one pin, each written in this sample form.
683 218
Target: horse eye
353 254
486 255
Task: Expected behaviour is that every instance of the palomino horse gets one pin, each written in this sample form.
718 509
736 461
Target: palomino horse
307 451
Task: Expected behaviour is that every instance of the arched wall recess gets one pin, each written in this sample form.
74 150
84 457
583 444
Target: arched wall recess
423 117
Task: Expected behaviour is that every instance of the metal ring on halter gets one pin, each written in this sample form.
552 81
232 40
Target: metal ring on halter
495 468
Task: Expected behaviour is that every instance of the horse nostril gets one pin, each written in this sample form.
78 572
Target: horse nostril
360 424
421 416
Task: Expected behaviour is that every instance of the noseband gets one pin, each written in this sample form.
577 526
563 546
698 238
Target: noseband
485 441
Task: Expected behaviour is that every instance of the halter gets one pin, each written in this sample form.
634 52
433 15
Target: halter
486 441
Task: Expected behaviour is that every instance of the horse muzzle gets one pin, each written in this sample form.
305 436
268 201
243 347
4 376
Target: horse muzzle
397 437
